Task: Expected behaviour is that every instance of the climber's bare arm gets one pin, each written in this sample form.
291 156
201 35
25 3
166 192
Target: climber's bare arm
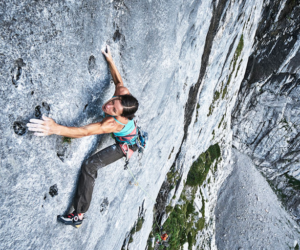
120 89
48 126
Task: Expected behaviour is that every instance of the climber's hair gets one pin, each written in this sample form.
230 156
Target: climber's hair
130 105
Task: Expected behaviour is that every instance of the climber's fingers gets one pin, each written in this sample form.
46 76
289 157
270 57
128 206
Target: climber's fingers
42 129
46 126
37 121
34 125
106 52
108 49
39 129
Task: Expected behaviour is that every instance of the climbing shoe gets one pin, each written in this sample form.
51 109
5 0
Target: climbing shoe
70 219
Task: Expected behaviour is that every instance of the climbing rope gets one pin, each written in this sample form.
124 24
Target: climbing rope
145 194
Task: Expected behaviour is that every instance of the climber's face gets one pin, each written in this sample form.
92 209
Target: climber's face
113 107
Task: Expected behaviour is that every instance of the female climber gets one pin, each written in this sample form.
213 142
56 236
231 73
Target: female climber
119 112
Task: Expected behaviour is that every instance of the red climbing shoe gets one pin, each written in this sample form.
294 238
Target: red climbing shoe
70 219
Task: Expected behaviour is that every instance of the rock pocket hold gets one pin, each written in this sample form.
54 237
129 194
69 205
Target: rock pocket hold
40 110
37 112
16 71
53 190
92 64
104 205
117 36
46 106
19 127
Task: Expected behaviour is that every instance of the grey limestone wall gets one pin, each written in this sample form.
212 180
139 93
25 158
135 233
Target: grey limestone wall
266 116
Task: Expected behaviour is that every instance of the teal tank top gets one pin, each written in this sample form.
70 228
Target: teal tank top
129 127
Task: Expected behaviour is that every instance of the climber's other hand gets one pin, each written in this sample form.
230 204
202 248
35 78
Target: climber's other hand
44 127
107 54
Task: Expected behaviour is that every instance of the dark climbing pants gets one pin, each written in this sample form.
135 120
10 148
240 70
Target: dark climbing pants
88 175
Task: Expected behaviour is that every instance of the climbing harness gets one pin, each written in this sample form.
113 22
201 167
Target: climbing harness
138 137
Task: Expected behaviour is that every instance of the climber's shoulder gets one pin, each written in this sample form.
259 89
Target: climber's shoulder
121 90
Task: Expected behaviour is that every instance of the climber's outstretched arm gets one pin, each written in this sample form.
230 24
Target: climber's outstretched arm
48 126
120 89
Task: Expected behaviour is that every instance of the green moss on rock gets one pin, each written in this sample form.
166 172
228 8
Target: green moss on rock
293 182
172 177
221 121
67 139
183 223
171 153
139 224
169 209
131 239
212 106
198 106
201 166
150 247
237 53
190 209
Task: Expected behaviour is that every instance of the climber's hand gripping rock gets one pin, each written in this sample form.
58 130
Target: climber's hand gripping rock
107 54
44 127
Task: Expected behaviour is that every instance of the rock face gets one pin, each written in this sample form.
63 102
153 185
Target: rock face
184 61
248 213
266 116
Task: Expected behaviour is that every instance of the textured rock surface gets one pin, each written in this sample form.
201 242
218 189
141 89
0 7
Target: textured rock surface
254 218
183 60
266 117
